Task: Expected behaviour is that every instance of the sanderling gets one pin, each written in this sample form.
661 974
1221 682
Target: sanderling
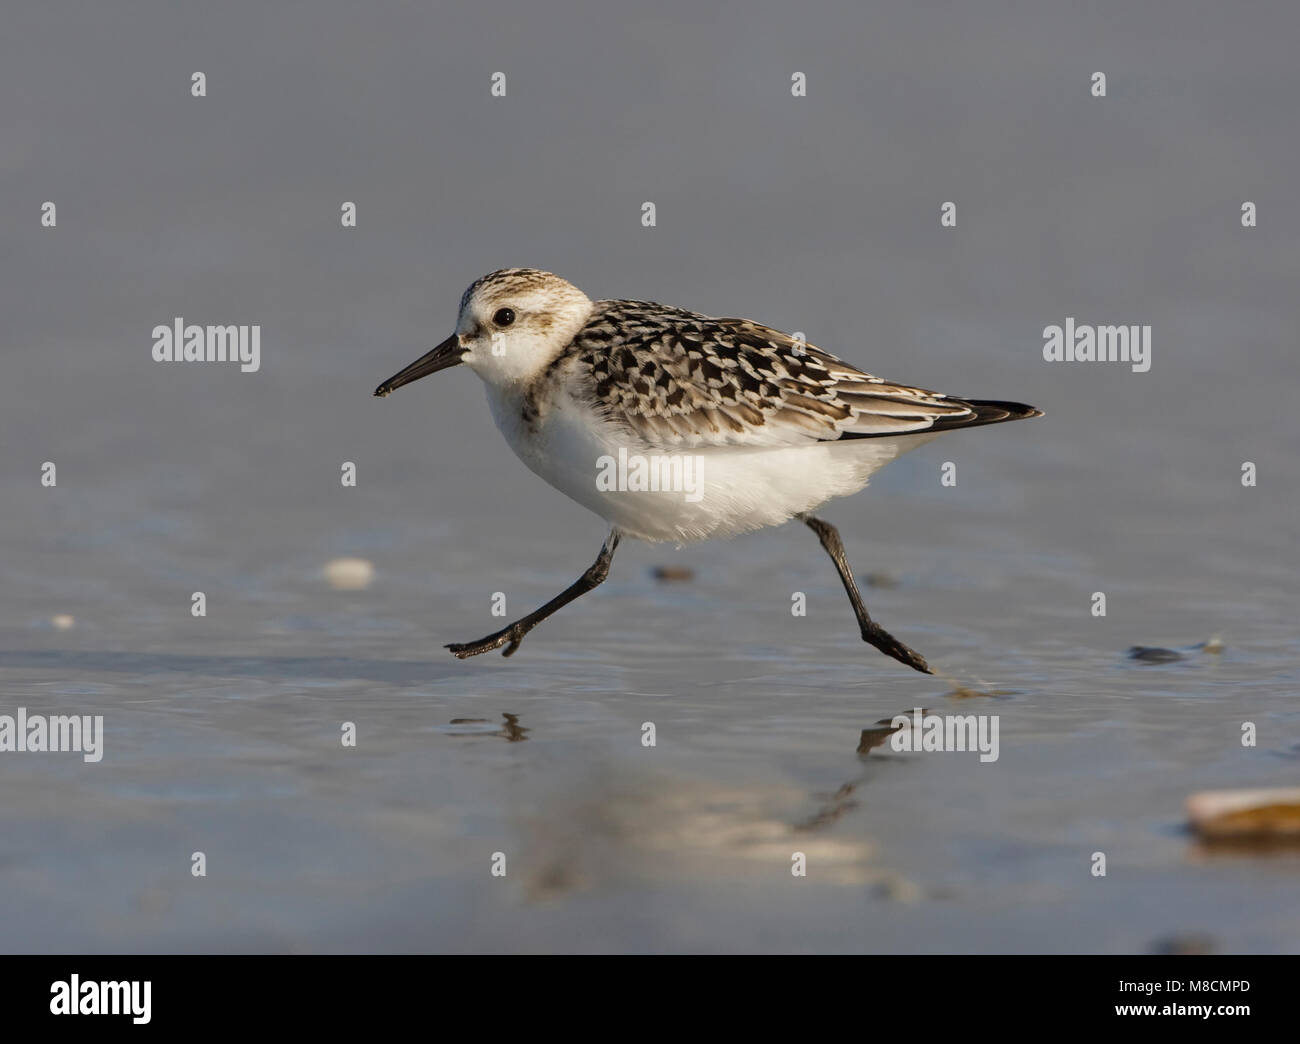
774 426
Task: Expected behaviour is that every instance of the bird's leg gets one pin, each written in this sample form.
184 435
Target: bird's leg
872 632
514 634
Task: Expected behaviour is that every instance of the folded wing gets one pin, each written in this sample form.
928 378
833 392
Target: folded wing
680 379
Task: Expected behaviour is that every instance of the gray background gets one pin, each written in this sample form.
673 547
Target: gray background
819 214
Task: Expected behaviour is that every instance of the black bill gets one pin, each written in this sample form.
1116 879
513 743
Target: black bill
446 354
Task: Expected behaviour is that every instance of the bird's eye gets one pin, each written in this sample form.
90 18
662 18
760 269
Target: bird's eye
504 317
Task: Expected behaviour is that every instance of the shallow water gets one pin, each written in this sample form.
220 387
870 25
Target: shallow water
222 734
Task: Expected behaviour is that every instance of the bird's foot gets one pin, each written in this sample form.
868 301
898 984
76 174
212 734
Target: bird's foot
891 646
514 634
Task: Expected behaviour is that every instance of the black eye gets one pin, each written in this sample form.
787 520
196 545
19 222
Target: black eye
504 317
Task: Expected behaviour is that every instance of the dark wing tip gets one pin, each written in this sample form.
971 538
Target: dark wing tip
983 411
988 411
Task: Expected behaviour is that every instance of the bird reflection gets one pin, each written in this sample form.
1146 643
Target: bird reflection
511 730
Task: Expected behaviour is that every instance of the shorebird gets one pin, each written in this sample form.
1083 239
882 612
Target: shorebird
774 427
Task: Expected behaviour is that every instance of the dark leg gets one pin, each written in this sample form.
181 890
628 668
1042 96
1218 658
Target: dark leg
514 634
872 632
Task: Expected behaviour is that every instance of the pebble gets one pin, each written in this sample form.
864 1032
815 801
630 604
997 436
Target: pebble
1189 943
1154 654
349 574
1158 654
667 573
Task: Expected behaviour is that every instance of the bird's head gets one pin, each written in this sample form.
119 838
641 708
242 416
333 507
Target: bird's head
512 324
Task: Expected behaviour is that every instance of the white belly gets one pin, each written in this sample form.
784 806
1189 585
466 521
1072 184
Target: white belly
720 491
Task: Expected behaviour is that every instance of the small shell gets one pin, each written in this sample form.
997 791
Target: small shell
1264 813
